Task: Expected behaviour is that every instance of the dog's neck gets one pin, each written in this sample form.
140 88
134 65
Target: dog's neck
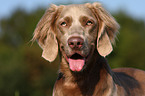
97 73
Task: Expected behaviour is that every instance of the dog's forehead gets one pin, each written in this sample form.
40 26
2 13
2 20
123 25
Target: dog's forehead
76 11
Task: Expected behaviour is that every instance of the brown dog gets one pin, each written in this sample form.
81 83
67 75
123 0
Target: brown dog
84 34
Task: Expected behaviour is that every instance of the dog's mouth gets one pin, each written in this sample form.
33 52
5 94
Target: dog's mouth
76 62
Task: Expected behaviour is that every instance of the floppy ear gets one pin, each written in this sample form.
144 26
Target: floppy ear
104 45
107 29
45 35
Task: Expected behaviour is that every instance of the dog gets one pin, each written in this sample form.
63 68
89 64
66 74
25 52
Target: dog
83 35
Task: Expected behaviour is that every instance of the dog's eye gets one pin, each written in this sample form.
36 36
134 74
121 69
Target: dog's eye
89 23
63 24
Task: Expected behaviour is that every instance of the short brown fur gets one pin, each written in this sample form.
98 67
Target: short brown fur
58 25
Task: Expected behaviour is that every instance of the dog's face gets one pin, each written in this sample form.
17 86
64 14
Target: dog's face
78 30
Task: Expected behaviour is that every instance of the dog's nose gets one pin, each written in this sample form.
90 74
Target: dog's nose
75 42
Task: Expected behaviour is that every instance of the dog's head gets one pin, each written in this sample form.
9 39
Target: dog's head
78 30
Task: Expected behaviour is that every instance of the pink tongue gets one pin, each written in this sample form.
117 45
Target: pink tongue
76 64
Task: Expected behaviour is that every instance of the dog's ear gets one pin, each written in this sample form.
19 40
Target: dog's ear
107 29
45 35
104 45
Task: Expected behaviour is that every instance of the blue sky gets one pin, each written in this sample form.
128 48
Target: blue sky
135 8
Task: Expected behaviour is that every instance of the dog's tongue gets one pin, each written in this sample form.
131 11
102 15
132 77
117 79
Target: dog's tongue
76 64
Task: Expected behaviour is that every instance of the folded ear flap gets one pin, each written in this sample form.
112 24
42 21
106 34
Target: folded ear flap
50 47
104 45
107 29
45 35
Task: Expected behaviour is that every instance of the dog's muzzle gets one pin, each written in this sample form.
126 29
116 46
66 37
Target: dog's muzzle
76 60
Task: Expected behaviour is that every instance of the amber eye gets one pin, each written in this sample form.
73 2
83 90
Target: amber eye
63 24
89 23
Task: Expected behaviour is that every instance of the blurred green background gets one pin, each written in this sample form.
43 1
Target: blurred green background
23 72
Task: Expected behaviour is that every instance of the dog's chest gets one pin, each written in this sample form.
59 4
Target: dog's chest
62 89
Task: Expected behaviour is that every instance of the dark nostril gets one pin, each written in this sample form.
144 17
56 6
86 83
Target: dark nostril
75 42
78 43
71 43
